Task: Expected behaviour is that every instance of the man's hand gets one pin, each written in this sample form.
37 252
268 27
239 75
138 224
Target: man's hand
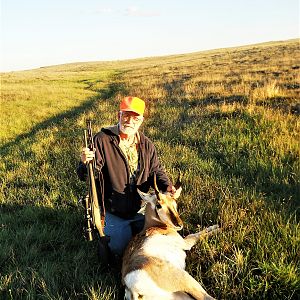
86 155
171 189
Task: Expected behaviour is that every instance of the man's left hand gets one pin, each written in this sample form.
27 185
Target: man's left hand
171 189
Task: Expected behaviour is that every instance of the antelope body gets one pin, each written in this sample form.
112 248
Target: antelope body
154 262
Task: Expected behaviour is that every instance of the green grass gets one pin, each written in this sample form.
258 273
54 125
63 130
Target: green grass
224 118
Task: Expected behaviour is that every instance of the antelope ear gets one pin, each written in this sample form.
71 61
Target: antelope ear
147 197
177 193
178 181
157 192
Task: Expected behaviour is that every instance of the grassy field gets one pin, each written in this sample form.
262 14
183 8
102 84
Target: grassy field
228 119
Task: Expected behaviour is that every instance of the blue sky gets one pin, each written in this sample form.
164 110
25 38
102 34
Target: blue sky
37 33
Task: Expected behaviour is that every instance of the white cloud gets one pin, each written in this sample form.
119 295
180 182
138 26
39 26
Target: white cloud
131 11
104 10
136 12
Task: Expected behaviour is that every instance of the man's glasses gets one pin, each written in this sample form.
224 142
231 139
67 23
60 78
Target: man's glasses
135 119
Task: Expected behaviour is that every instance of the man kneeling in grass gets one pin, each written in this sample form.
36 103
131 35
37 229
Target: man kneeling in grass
126 160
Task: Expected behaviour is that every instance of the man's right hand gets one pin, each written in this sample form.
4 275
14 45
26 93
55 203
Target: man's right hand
86 155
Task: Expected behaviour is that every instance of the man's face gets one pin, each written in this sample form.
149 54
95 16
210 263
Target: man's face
129 122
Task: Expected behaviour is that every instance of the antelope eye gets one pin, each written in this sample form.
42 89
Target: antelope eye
158 206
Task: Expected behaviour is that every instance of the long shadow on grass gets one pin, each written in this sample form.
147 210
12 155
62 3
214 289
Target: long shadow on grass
58 167
42 251
43 255
72 114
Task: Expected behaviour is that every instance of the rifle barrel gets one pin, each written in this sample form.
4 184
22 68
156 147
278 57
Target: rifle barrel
94 203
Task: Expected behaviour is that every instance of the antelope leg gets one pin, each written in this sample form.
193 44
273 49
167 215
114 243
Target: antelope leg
192 239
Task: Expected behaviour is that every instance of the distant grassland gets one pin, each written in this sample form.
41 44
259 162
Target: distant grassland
227 119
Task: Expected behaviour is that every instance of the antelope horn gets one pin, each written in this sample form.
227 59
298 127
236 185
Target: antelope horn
178 181
155 187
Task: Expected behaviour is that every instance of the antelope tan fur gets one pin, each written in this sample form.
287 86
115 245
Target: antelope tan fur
154 261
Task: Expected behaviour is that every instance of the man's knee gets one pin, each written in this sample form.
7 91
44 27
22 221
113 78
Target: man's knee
120 236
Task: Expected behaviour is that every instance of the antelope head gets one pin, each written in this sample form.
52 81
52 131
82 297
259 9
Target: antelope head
161 209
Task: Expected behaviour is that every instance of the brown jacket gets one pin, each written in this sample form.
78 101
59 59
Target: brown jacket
113 175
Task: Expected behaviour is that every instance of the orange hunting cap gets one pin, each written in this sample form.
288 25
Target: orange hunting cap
134 104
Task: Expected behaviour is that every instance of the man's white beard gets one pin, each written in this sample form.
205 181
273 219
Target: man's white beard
127 130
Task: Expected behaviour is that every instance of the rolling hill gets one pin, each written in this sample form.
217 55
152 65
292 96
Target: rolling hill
228 119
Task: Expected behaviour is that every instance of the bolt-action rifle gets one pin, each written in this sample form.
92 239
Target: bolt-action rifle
93 216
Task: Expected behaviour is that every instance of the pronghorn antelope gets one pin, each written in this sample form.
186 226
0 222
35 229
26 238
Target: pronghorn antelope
154 262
